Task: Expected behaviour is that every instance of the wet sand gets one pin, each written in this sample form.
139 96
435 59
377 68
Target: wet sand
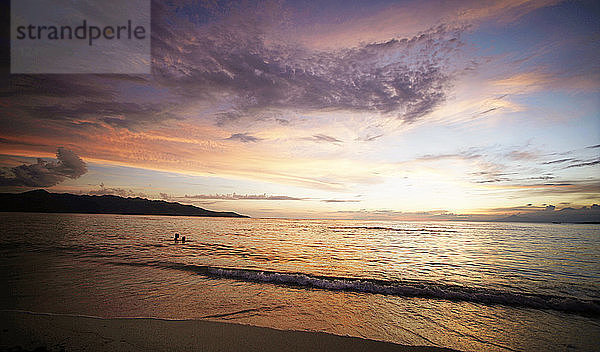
26 331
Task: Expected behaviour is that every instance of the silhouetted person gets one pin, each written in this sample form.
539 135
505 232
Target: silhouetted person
182 239
176 236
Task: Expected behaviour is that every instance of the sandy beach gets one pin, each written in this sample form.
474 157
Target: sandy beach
28 331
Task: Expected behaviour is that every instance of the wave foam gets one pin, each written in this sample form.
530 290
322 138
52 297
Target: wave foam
395 288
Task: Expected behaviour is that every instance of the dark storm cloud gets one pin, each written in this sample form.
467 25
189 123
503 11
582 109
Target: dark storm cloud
44 173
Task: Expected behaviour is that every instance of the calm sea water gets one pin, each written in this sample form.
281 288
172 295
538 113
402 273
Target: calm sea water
469 286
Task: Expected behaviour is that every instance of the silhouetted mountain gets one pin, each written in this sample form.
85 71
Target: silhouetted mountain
41 201
568 215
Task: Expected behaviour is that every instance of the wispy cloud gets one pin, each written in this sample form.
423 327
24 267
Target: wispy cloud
487 111
589 189
370 138
585 163
436 157
559 161
522 155
323 138
243 137
340 200
410 16
234 196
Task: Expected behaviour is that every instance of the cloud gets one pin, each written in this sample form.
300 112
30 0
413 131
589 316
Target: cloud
234 196
522 155
323 138
224 69
44 173
370 138
551 214
116 191
558 161
460 156
523 208
487 111
239 60
236 66
129 115
340 200
165 196
584 190
494 180
243 137
233 68
527 213
20 143
384 214
585 163
57 86
544 177
367 21
244 73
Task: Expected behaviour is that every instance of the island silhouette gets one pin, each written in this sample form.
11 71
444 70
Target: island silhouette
42 201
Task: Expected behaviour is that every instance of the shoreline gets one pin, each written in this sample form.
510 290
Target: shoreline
27 331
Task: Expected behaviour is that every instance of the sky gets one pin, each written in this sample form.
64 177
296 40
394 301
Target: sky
329 109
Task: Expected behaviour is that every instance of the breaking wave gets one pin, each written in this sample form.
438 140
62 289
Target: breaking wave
394 288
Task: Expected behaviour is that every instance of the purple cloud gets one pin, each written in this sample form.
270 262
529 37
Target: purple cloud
44 173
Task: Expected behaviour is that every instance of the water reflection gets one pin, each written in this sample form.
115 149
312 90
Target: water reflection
67 264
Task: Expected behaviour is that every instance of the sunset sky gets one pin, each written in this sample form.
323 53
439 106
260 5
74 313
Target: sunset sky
341 109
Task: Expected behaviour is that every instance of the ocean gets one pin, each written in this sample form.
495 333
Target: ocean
471 286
